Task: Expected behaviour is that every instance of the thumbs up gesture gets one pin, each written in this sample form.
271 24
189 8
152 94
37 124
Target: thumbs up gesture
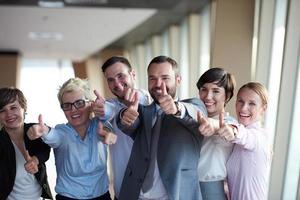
37 130
207 127
226 131
166 101
108 137
221 119
131 114
31 165
98 106
129 96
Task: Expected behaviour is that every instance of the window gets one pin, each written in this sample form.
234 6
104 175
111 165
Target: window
40 81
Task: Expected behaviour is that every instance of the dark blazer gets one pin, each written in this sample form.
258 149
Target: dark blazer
8 163
177 154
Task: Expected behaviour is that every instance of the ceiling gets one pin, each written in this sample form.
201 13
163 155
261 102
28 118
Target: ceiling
76 29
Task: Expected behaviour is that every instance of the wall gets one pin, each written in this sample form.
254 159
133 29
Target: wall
10 69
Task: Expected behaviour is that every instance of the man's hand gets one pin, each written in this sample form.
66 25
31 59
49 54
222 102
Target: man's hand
98 106
129 97
166 102
37 130
130 114
108 136
31 165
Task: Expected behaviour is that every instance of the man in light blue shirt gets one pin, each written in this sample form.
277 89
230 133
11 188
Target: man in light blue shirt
121 81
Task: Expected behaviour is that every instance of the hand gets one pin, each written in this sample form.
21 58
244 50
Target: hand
131 114
227 132
109 137
37 130
129 96
98 106
206 127
221 119
166 102
31 165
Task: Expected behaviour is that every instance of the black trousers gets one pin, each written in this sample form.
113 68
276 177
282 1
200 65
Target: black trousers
105 196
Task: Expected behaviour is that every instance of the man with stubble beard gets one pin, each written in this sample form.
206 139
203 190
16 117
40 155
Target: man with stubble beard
120 78
164 158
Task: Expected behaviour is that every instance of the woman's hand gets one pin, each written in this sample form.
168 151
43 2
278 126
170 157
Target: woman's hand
31 165
37 130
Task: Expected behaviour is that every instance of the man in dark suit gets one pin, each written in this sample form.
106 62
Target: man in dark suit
164 158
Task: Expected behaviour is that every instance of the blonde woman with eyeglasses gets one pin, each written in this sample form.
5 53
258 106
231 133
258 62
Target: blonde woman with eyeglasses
80 155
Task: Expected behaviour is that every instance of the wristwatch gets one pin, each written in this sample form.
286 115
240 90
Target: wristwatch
178 113
234 130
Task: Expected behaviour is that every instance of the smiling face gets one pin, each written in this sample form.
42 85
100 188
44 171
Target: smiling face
12 115
214 98
162 72
249 106
78 118
119 77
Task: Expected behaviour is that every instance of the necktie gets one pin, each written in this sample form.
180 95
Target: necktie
149 179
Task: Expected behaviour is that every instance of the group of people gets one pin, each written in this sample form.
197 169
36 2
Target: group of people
161 147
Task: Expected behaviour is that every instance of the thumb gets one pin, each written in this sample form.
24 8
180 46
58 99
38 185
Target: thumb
41 121
135 104
163 89
98 96
199 117
27 156
100 129
221 119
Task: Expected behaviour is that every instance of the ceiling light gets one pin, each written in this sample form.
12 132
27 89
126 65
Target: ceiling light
54 36
51 4
86 1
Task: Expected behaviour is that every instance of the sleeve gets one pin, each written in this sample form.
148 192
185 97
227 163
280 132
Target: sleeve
36 147
181 109
40 149
108 126
54 138
189 120
248 138
129 130
110 111
194 105
7 165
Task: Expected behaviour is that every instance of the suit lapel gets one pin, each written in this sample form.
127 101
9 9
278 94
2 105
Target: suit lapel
150 114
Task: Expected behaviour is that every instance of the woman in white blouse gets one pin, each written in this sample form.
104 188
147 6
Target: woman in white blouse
216 88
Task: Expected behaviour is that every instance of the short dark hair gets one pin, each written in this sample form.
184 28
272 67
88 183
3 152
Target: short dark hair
10 94
162 59
114 59
225 80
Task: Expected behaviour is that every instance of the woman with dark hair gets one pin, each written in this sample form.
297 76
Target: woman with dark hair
22 161
216 87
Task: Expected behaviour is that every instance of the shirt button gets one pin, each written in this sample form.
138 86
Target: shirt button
146 159
140 180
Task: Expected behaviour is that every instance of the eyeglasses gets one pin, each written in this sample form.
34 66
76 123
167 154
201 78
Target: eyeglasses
77 104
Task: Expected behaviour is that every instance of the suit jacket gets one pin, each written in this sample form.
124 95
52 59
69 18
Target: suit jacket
8 163
177 154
